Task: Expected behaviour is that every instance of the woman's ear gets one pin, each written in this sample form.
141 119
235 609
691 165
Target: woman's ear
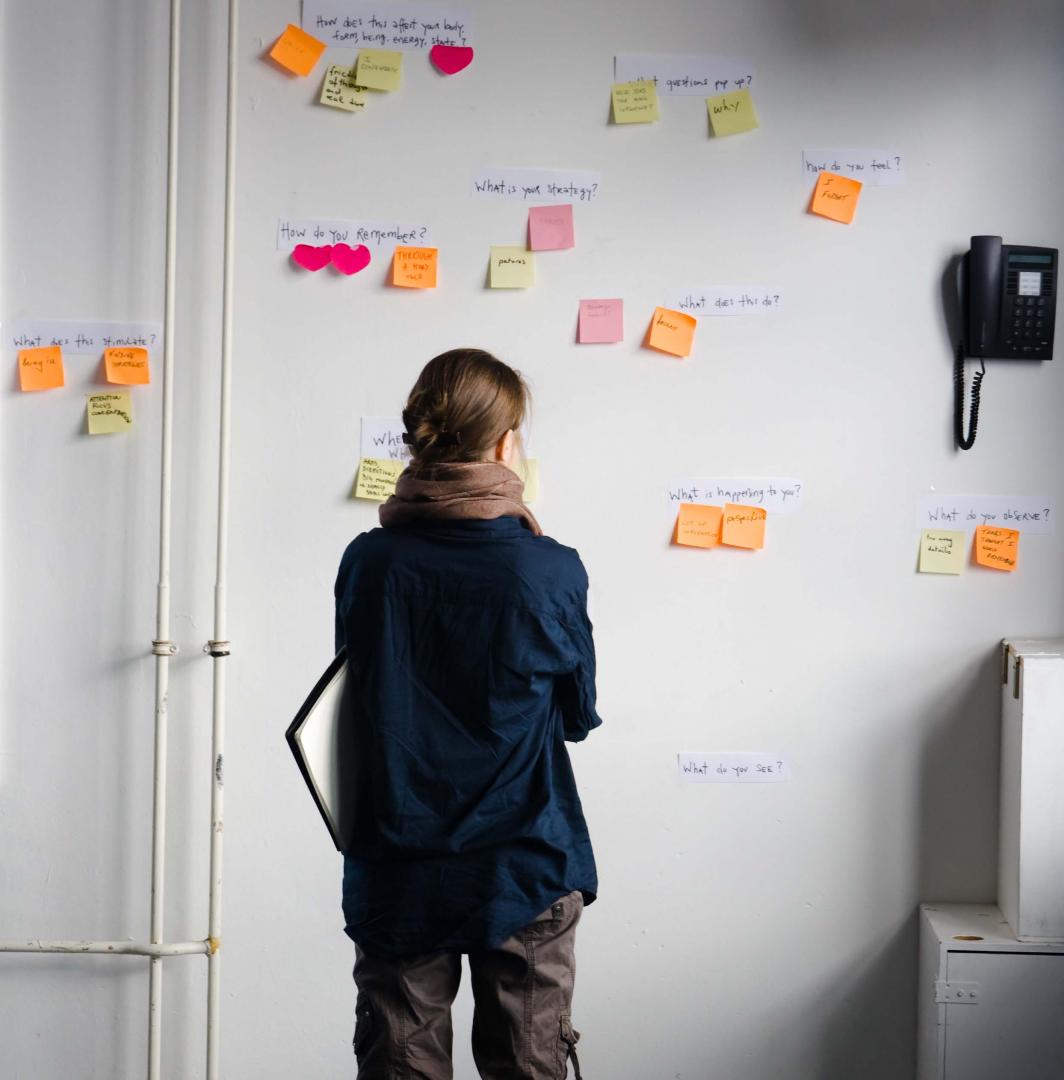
504 448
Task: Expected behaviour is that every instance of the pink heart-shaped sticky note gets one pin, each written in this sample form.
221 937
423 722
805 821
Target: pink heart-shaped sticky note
349 260
310 257
450 59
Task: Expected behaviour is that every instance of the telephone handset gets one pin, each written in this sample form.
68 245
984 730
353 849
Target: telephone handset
1009 301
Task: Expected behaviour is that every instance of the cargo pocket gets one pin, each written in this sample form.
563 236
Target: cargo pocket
364 1029
569 1038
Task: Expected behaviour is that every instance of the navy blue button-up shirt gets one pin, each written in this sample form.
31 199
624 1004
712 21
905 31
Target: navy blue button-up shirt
470 662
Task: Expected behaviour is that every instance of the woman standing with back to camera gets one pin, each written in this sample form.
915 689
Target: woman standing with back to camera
470 662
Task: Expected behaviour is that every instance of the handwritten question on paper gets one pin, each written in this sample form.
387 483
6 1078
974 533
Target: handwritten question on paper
721 301
81 336
1028 513
292 231
403 24
732 768
580 185
876 168
696 74
780 495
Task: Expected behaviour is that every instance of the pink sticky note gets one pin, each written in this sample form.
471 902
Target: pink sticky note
601 322
550 228
450 59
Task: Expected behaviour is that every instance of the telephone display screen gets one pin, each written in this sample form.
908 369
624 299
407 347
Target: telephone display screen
1030 260
1030 283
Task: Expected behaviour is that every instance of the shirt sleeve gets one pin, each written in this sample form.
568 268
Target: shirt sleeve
576 688
340 638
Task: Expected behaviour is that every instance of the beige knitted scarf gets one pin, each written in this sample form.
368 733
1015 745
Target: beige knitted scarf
458 489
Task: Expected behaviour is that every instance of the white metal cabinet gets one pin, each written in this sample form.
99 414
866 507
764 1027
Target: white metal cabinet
990 1007
1031 854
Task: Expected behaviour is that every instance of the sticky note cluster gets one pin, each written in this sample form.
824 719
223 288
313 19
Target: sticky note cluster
944 551
732 525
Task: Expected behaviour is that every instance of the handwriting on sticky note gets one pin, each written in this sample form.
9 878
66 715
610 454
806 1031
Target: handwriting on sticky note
942 551
511 268
835 197
110 412
732 768
379 69
743 526
997 548
40 368
377 478
635 103
550 228
297 50
340 90
698 525
127 366
601 322
730 114
672 332
415 268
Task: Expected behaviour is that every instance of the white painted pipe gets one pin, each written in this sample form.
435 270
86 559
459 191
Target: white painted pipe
162 647
109 948
219 647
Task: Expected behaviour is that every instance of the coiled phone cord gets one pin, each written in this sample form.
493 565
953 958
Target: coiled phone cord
965 443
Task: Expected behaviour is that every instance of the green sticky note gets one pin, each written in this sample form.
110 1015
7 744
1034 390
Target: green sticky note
729 114
635 103
377 478
942 551
110 412
511 268
341 91
379 69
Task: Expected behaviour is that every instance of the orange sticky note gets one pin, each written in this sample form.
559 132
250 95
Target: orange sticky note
996 547
40 369
414 267
297 51
672 331
698 525
744 526
835 197
127 365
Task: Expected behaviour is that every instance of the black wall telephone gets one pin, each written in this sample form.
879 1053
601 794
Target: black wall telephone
1008 298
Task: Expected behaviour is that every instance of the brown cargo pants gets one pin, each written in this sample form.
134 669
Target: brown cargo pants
523 995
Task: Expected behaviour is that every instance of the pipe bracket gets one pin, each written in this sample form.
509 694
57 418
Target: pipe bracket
216 648
163 648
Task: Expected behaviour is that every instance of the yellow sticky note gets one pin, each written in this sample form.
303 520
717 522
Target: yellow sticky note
377 478
528 470
127 365
942 551
511 268
340 89
672 331
729 114
997 548
635 103
110 412
379 69
414 267
40 369
744 526
698 525
297 51
835 197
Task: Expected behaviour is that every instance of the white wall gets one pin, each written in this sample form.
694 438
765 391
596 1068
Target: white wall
741 932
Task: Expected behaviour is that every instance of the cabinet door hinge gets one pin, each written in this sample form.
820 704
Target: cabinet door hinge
956 993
